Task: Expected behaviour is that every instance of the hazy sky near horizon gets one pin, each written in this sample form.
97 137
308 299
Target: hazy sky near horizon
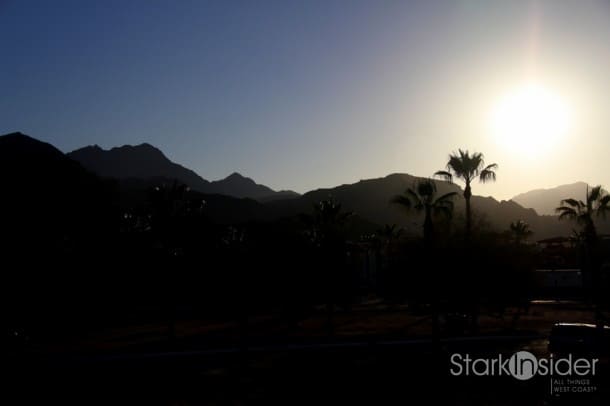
306 94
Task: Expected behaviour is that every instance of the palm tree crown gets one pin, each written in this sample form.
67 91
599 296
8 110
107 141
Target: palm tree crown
597 204
424 198
468 167
520 231
327 221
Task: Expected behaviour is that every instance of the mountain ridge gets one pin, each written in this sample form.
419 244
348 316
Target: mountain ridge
545 200
145 161
368 198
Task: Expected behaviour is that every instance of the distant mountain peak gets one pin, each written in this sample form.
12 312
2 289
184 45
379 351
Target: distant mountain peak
567 185
21 137
90 149
544 201
19 142
145 161
236 175
16 134
139 148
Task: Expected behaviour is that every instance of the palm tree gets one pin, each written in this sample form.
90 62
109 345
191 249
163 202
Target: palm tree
387 238
596 204
423 199
326 224
520 231
390 233
467 167
577 238
168 205
326 230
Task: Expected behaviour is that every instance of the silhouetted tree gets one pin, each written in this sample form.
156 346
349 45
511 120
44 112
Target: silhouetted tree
424 199
173 214
467 167
325 225
390 233
520 231
596 204
326 230
577 238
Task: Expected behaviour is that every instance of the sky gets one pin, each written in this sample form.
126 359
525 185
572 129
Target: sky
307 94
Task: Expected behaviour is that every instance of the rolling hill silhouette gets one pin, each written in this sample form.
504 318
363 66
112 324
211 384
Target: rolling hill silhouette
544 201
145 161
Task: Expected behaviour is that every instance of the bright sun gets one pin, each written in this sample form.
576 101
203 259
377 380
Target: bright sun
530 120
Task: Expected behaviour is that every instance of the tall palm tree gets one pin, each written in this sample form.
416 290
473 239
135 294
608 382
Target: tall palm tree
424 199
596 204
468 168
520 231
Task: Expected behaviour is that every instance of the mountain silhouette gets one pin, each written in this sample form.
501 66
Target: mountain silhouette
237 185
370 198
145 161
48 192
42 183
56 217
38 169
544 201
139 162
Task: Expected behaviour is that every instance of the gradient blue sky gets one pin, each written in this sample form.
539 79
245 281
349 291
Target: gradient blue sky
307 94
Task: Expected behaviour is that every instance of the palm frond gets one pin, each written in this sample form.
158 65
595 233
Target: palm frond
603 206
566 213
486 176
476 162
426 188
446 197
415 198
445 175
456 165
488 173
595 194
604 201
403 201
572 202
443 211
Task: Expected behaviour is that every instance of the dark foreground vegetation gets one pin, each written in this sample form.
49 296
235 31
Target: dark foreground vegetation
96 268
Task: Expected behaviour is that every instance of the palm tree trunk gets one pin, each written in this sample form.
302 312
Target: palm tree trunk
593 269
428 228
467 195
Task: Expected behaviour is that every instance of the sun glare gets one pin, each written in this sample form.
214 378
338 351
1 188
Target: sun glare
530 120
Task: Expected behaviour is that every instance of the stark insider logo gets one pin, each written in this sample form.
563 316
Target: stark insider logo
522 365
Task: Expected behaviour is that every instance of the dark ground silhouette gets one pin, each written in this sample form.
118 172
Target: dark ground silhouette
84 256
